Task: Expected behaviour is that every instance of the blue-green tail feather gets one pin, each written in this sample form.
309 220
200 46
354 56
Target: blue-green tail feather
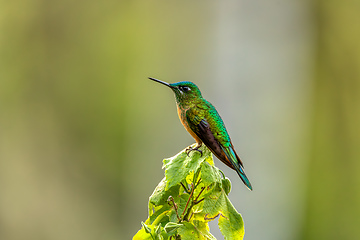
232 156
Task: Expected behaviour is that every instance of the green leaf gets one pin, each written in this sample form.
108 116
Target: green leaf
173 216
162 218
195 230
213 202
188 232
217 204
161 214
171 226
203 229
161 194
230 222
142 235
226 184
158 230
210 174
146 227
177 168
158 193
182 200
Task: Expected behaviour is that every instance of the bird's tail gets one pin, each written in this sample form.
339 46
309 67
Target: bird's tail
235 161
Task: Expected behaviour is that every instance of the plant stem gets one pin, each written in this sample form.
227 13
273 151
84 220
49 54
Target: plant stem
175 207
202 189
187 203
185 188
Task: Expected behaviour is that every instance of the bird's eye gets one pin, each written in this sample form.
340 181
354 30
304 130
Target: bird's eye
185 88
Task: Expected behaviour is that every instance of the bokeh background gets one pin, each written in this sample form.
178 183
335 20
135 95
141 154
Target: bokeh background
83 131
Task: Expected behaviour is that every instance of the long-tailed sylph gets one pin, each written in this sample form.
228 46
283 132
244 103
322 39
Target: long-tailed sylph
205 125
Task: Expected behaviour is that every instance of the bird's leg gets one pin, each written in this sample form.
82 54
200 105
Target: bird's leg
196 148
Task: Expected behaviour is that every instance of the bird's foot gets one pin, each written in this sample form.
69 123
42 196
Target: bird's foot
190 149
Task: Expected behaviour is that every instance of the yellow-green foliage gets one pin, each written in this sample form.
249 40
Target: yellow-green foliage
192 193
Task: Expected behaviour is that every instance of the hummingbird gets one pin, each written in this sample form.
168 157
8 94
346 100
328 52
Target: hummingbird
203 122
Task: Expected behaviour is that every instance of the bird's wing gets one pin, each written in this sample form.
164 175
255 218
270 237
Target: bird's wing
201 128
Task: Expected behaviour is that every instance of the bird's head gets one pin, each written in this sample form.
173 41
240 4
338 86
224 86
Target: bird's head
185 92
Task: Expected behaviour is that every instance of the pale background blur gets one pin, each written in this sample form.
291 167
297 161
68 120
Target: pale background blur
83 131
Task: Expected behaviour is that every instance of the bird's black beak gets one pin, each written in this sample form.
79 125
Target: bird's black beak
159 81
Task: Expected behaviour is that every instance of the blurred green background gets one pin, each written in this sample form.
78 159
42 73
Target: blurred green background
83 131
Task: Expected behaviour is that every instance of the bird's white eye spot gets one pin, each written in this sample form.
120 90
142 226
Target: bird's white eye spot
185 89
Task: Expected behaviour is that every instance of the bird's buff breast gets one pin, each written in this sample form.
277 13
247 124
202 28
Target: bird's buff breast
182 116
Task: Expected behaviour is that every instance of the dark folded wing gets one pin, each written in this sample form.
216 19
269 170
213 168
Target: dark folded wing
202 129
